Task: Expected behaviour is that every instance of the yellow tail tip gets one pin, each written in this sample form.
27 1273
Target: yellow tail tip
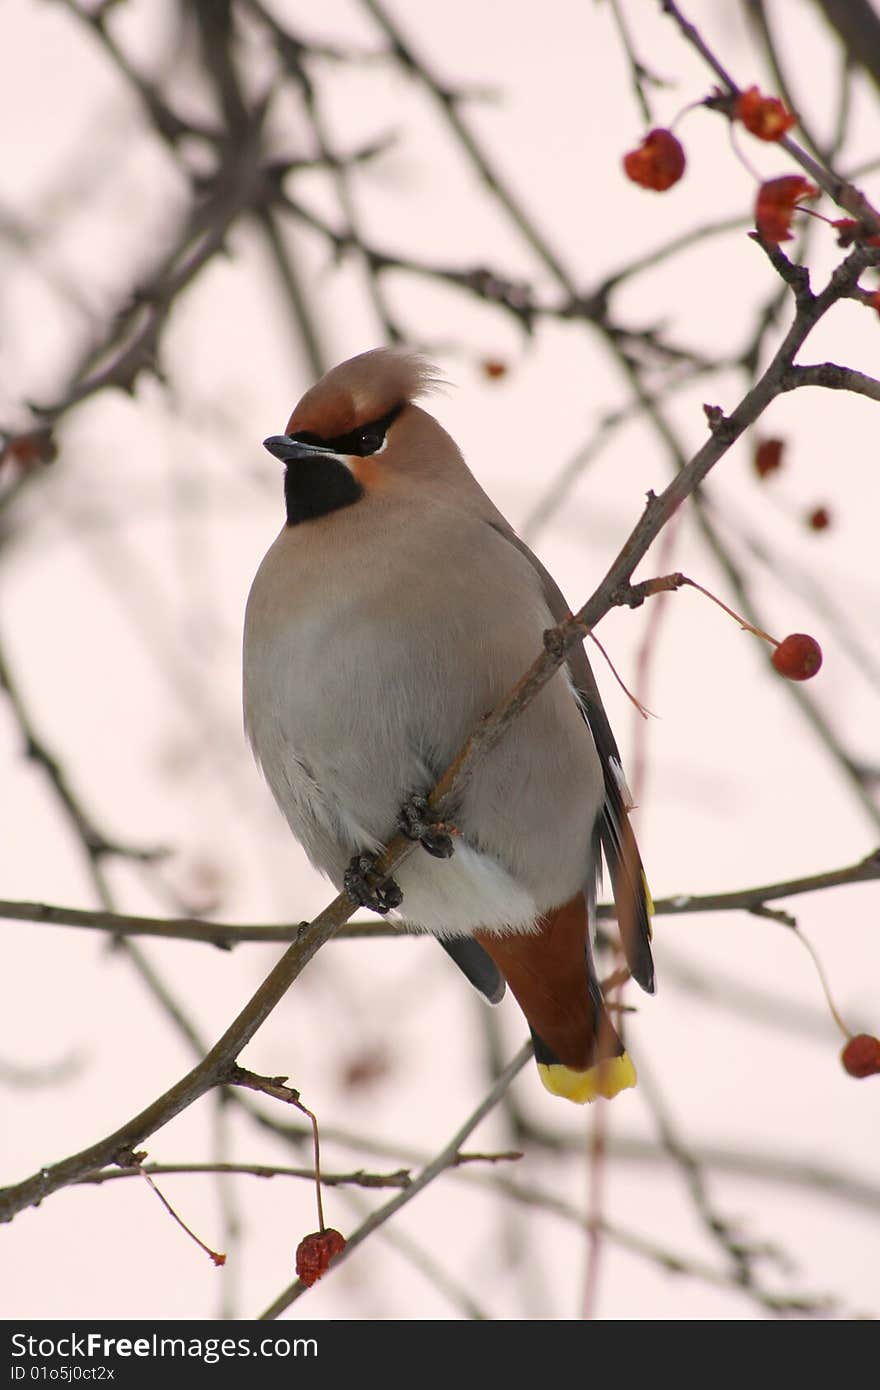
605 1079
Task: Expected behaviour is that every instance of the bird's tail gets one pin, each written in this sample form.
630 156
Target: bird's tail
550 972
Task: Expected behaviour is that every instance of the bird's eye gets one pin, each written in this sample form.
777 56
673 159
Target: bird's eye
365 439
369 440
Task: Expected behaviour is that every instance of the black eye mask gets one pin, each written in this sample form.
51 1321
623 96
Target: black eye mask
362 442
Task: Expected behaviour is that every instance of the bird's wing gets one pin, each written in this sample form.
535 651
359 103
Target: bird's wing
477 965
613 831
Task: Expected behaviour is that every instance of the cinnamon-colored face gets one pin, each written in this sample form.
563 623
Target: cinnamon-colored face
340 428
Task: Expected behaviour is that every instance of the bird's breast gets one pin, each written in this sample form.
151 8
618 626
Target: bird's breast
365 668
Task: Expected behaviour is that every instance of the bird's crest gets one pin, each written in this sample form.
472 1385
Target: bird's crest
363 389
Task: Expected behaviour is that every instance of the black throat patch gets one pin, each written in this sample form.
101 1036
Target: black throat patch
314 487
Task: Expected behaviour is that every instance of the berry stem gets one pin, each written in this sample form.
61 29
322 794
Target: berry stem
645 713
823 980
743 622
213 1255
306 1111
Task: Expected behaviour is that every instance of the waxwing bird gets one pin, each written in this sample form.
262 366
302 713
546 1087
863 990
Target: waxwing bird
393 611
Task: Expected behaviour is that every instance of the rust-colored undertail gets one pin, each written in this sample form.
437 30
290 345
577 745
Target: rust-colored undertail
550 973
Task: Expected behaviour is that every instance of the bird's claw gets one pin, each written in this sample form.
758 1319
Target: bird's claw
416 821
367 889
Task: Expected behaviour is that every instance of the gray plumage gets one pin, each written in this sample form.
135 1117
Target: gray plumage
376 638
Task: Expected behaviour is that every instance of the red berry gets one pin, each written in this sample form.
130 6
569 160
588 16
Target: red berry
766 117
848 231
776 203
494 368
365 1068
768 456
658 162
798 657
861 1056
819 519
314 1253
30 450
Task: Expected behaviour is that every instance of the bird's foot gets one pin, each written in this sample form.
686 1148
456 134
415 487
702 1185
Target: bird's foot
417 822
368 889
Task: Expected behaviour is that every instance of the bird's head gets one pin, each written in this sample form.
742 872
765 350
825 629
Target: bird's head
343 434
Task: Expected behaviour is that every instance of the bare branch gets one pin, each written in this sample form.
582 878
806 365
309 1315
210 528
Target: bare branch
833 377
399 1179
95 843
844 193
226 935
639 74
857 25
671 1261
447 1158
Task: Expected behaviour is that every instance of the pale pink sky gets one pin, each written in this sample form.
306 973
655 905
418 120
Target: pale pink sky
124 585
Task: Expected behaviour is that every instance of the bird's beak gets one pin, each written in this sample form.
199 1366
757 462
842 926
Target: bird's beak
287 449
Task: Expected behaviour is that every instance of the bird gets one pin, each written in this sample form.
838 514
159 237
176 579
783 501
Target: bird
394 609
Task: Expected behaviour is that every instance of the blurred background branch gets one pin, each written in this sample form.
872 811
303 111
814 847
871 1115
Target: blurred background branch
223 198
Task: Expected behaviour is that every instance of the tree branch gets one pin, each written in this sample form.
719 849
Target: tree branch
444 1160
833 377
226 935
842 192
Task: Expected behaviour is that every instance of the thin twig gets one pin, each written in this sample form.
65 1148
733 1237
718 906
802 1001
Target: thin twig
227 934
844 193
445 1159
358 1178
673 1262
